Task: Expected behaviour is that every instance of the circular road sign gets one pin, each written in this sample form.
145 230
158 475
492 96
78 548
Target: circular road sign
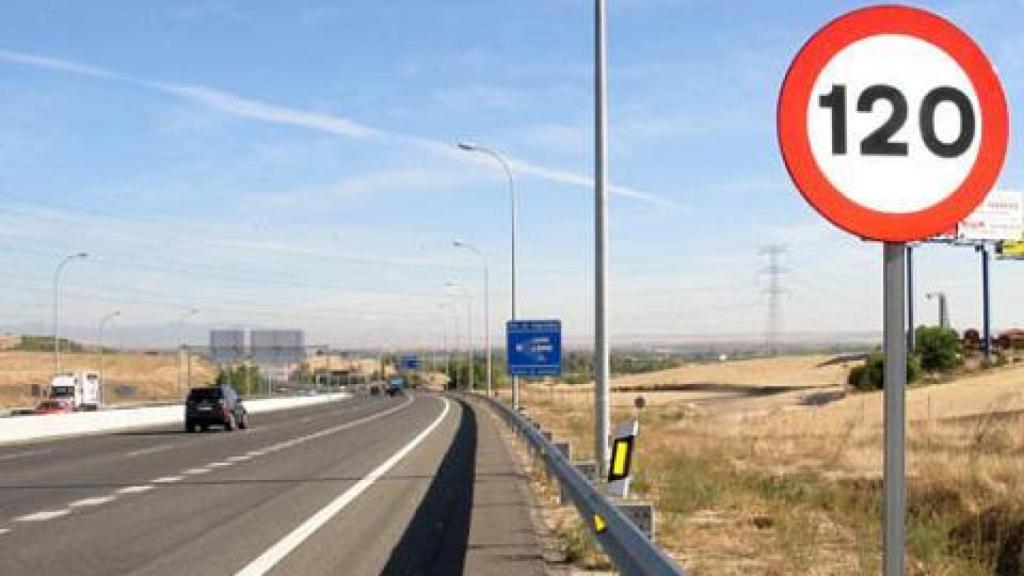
893 123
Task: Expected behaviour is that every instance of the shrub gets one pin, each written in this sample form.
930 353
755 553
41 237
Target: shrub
938 348
870 375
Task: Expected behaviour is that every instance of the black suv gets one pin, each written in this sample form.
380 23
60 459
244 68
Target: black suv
219 405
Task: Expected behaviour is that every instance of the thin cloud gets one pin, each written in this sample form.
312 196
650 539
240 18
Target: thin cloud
235 105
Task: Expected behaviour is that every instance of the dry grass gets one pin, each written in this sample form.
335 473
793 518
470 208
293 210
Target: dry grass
153 376
766 485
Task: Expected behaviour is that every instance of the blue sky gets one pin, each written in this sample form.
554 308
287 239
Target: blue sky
291 164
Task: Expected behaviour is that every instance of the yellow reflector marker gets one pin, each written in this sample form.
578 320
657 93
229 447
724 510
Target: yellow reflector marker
620 458
599 524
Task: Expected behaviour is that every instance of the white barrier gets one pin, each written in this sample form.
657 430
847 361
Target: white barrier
23 428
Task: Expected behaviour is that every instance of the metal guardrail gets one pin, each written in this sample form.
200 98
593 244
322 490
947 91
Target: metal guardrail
628 548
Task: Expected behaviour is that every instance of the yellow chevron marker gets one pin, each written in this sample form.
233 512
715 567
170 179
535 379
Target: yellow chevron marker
599 524
620 459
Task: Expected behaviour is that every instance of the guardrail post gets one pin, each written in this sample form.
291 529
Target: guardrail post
641 514
588 469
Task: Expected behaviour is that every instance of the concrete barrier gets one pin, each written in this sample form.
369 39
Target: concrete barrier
26 428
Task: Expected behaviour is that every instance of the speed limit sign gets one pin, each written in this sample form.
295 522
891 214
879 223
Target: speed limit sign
893 123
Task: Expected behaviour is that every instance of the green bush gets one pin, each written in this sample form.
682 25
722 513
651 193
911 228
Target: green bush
870 375
938 348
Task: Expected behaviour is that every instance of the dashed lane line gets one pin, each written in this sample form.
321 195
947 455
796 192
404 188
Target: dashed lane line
266 561
43 516
91 501
136 489
168 479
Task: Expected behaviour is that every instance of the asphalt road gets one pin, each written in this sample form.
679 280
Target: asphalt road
420 484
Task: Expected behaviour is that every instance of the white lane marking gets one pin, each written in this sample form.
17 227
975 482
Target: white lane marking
42 516
195 471
338 428
219 464
255 453
239 458
136 489
167 479
25 454
4 531
92 501
146 451
266 561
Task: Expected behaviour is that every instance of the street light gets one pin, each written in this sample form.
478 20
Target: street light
103 324
487 303
56 306
473 147
469 330
943 308
447 357
181 344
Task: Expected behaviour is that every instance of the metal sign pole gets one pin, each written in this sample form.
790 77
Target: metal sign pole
895 382
602 364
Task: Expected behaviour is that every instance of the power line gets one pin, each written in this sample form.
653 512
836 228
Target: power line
774 291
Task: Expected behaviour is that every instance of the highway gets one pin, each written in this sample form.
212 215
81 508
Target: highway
420 484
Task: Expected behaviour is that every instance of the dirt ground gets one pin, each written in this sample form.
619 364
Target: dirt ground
770 467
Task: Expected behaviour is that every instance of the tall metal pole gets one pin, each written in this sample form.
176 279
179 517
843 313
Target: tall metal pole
487 304
469 330
56 307
911 336
602 360
986 301
103 324
181 344
513 198
895 382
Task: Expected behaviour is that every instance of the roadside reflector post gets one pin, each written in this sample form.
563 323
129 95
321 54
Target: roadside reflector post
621 459
895 382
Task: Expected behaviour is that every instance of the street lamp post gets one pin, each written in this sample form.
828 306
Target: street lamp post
943 307
472 147
56 306
103 324
446 307
470 356
487 305
181 344
602 352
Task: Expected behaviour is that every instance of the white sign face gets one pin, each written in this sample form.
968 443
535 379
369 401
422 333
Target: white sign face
871 118
892 123
1000 217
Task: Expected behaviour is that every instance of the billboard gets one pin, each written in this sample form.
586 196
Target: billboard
999 217
1012 249
227 346
278 346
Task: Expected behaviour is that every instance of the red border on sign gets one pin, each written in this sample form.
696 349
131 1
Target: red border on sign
796 146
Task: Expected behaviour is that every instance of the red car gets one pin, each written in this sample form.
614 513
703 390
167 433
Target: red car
53 407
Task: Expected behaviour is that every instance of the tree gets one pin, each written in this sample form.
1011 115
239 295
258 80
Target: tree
938 348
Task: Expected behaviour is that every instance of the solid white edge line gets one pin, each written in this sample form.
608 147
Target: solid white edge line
266 561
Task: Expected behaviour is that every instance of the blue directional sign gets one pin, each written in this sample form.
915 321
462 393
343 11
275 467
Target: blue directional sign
409 363
534 347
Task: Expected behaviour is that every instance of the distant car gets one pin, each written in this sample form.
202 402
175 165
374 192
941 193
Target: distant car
53 407
395 386
216 406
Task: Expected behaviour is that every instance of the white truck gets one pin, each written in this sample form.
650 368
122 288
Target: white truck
82 390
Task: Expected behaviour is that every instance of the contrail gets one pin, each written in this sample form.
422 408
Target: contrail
241 107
